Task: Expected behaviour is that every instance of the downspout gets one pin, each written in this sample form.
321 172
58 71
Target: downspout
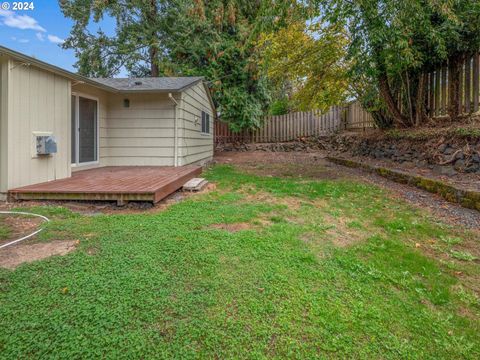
175 131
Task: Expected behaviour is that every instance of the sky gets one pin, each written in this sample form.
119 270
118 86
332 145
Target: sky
40 32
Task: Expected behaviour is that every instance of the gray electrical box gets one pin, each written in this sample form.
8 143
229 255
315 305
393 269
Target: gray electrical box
46 145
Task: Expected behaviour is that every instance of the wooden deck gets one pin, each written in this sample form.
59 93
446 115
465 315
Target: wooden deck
113 183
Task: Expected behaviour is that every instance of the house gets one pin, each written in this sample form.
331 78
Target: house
95 123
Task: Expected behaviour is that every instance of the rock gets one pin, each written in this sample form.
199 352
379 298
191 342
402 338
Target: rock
442 148
459 164
448 151
459 155
472 168
444 170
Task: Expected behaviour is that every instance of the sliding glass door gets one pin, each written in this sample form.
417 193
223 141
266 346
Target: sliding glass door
84 130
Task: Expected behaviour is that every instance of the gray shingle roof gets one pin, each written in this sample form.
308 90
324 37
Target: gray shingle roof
149 84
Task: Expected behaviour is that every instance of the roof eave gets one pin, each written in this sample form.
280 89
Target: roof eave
52 68
179 90
148 91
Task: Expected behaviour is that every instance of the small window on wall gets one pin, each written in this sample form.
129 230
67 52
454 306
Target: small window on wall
205 123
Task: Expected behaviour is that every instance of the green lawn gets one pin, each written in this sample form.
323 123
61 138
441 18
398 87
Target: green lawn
319 269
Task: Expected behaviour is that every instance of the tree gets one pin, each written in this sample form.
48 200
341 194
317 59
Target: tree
310 56
392 42
137 45
214 39
461 30
395 43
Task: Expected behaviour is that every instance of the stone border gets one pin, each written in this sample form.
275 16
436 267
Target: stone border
466 198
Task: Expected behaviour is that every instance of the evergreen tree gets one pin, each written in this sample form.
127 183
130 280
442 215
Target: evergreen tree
214 39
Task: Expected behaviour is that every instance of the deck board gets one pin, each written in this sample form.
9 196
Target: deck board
120 183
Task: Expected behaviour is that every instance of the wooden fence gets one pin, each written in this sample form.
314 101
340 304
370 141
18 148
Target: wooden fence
292 126
356 118
438 99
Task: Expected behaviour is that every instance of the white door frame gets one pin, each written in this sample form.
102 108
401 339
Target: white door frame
77 162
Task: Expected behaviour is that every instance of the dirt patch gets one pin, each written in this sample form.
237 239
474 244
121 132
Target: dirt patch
15 255
232 228
340 234
342 238
18 226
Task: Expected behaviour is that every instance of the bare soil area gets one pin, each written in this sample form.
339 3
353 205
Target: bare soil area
232 227
13 256
17 226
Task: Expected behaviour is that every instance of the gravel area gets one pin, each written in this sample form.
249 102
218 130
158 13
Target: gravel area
314 165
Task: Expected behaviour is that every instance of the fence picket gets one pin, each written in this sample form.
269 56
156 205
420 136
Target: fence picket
296 125
468 80
475 82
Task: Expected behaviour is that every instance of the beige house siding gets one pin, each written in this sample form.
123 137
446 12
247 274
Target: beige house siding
3 127
38 101
35 101
142 134
194 146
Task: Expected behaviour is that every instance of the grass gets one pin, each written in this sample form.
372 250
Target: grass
326 269
5 230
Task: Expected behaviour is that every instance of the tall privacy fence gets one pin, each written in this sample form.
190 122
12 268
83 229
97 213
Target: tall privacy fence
300 124
438 99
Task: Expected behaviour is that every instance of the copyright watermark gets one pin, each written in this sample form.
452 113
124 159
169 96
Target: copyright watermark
18 5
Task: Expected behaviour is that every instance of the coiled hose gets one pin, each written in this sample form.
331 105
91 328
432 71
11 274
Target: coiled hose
25 237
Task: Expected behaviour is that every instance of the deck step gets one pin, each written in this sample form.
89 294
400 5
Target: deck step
195 184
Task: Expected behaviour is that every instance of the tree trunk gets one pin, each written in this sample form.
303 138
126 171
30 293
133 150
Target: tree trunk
153 50
420 100
386 94
154 70
454 72
409 99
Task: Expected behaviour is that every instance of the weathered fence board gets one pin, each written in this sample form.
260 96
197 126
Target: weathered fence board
438 99
292 126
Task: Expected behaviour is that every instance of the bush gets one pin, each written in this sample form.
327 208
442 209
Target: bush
279 107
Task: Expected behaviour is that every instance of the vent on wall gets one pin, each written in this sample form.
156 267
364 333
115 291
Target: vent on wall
126 103
46 145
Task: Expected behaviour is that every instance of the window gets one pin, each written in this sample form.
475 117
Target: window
205 123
